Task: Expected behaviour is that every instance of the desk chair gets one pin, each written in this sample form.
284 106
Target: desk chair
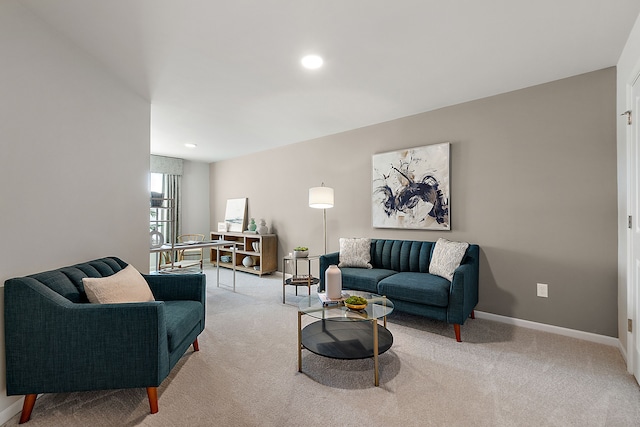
190 256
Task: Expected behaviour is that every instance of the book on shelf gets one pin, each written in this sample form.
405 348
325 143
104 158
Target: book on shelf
326 300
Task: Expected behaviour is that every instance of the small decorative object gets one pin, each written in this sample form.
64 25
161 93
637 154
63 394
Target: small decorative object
225 258
252 225
263 229
333 282
300 252
222 227
247 261
355 303
255 246
157 239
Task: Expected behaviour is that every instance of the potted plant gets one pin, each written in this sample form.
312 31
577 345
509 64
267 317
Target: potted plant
300 252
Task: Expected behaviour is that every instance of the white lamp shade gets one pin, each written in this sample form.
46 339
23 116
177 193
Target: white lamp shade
321 197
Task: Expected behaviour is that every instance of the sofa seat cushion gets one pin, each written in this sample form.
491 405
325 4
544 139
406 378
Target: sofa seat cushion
421 288
181 317
363 279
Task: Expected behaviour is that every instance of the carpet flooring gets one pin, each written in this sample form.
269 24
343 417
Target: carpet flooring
245 374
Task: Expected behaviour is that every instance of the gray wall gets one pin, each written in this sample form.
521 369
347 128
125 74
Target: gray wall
74 163
533 183
195 199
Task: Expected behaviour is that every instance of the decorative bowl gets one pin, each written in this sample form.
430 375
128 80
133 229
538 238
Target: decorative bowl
355 306
300 254
355 302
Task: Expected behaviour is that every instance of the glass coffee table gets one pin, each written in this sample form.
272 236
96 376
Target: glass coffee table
343 333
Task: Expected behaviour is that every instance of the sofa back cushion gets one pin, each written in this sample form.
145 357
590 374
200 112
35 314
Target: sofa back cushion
127 285
67 281
401 255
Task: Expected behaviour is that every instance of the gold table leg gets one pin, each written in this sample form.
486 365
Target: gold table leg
375 353
299 341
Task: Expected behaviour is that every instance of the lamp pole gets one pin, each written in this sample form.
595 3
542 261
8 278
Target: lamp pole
324 227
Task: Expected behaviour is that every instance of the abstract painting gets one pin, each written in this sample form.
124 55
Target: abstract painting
411 188
235 214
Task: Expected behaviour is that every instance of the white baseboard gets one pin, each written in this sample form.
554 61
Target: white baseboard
11 411
587 336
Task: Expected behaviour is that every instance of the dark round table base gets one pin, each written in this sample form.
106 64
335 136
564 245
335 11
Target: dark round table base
345 339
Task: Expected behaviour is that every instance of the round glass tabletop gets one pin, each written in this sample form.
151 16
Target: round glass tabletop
377 307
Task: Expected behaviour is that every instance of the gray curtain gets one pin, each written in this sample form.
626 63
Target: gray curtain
173 186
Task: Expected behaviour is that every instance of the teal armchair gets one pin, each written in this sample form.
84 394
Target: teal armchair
56 341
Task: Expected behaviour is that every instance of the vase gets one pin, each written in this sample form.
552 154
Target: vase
333 282
157 239
263 229
252 225
247 261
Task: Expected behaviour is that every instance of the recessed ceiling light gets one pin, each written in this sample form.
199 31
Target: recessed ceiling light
190 145
312 62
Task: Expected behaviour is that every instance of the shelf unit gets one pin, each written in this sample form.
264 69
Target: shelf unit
265 260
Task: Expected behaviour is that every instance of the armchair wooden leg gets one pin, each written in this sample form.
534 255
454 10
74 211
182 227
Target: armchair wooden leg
152 393
456 328
195 345
473 314
27 407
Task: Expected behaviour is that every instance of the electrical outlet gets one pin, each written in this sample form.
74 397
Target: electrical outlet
543 290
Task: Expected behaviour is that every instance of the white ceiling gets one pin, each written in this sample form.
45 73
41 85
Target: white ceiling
225 75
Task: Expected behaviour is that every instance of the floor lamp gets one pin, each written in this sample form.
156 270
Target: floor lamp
322 198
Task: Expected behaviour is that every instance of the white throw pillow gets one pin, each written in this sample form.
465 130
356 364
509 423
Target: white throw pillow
446 257
127 285
355 252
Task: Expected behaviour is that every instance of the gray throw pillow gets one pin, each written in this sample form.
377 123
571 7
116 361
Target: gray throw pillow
355 252
446 257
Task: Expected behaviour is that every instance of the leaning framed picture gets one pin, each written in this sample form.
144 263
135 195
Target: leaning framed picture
411 188
236 213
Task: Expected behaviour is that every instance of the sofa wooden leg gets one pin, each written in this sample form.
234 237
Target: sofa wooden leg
456 328
27 407
195 345
152 393
473 314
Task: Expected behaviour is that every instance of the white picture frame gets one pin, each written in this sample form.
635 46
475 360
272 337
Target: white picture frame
236 214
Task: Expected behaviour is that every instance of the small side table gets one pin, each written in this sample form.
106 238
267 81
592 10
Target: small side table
297 279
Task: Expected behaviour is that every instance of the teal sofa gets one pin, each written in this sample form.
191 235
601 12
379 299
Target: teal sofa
401 273
57 342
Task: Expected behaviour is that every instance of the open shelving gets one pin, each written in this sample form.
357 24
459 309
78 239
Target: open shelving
264 259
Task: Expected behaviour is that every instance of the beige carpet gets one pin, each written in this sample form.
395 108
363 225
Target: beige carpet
245 374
